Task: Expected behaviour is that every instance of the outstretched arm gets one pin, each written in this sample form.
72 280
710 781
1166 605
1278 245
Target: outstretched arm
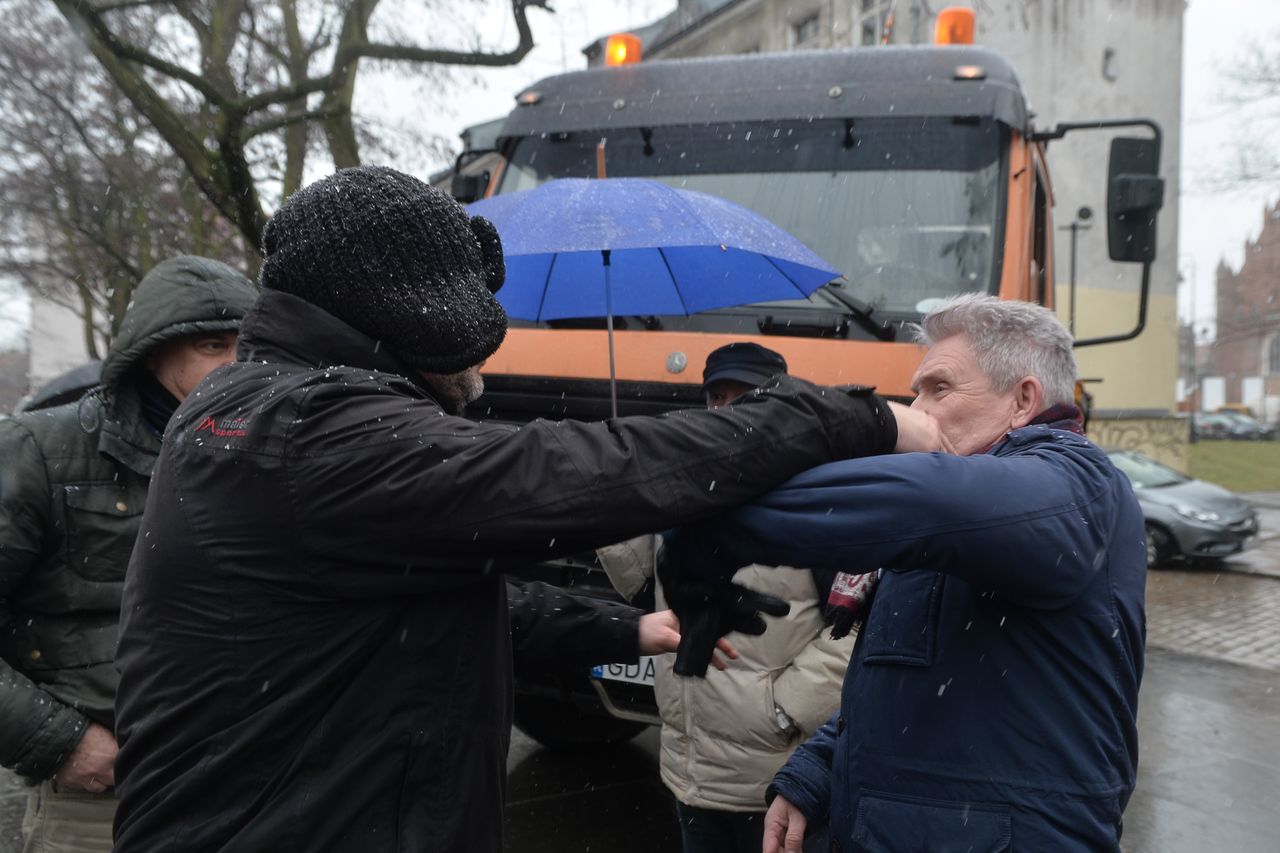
514 496
1033 526
558 631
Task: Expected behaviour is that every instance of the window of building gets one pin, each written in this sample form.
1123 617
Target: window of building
872 21
804 33
1273 356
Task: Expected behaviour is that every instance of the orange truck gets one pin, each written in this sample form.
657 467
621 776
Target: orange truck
917 172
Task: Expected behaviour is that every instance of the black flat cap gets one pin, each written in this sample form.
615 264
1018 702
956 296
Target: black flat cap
743 362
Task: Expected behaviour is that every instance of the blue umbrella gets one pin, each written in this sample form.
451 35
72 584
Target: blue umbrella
595 248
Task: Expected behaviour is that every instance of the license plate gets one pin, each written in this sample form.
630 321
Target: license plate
631 673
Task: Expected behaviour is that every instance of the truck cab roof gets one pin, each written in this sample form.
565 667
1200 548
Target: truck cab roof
881 82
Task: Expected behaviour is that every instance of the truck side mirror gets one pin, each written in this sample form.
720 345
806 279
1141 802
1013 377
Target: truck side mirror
1135 194
468 188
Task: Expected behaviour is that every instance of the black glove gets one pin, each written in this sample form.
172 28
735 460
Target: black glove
709 609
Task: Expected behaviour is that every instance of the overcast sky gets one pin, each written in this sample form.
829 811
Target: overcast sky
1215 221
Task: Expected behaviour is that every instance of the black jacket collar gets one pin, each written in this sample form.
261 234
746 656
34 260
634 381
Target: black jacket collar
282 328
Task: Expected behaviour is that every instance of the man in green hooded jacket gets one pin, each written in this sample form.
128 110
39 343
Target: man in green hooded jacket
72 487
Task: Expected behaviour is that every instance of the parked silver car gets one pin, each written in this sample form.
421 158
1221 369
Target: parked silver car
1185 517
1244 427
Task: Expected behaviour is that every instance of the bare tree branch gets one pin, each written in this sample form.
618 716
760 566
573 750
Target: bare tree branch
126 4
245 119
288 119
122 50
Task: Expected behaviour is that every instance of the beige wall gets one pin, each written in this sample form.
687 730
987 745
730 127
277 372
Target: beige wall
1137 374
1132 403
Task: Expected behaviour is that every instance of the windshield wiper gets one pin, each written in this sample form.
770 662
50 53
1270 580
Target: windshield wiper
862 313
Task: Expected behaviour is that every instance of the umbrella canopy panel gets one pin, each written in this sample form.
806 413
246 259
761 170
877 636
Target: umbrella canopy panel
681 280
671 251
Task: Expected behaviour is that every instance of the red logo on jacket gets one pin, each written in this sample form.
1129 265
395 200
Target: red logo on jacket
226 428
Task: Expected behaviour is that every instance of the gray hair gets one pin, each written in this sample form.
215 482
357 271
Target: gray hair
1010 340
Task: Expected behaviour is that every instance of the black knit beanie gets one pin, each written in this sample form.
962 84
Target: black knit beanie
395 259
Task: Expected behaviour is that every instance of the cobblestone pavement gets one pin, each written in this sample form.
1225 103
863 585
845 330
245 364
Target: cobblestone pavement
1220 614
1229 612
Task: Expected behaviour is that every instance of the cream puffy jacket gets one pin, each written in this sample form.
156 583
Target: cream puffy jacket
722 740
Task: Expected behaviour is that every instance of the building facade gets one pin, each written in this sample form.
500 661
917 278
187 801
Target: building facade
1246 351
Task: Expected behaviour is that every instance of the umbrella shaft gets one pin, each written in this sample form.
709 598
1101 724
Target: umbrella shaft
608 315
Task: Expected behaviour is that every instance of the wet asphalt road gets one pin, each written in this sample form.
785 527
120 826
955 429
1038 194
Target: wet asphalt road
607 800
1210 748
1209 719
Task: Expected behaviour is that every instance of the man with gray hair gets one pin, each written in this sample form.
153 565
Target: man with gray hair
991 700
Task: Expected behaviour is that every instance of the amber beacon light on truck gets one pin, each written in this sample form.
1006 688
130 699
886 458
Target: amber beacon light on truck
956 25
622 49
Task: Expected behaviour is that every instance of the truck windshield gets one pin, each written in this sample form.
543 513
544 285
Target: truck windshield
909 210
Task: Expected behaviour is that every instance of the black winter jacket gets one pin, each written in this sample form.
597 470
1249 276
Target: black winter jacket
315 652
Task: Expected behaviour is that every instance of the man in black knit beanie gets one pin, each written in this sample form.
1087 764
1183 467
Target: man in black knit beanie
399 262
316 652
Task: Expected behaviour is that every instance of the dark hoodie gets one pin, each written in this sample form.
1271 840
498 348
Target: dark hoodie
72 488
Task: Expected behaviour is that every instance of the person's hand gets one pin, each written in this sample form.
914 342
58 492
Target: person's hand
784 826
91 765
710 609
918 432
660 634
696 586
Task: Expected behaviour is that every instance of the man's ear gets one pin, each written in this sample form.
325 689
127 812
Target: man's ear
1028 401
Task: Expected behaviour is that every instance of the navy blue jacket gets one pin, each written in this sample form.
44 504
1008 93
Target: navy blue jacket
991 702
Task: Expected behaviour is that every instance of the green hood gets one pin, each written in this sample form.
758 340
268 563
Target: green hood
181 296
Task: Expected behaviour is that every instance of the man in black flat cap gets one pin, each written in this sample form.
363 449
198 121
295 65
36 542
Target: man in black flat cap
734 369
724 737
315 651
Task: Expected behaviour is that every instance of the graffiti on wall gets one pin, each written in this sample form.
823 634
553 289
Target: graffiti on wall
1163 439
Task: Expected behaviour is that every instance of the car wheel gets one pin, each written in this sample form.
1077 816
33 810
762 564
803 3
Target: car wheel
561 725
1159 547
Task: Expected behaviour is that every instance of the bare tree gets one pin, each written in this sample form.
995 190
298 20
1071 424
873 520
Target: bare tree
150 128
1254 90
234 86
90 196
